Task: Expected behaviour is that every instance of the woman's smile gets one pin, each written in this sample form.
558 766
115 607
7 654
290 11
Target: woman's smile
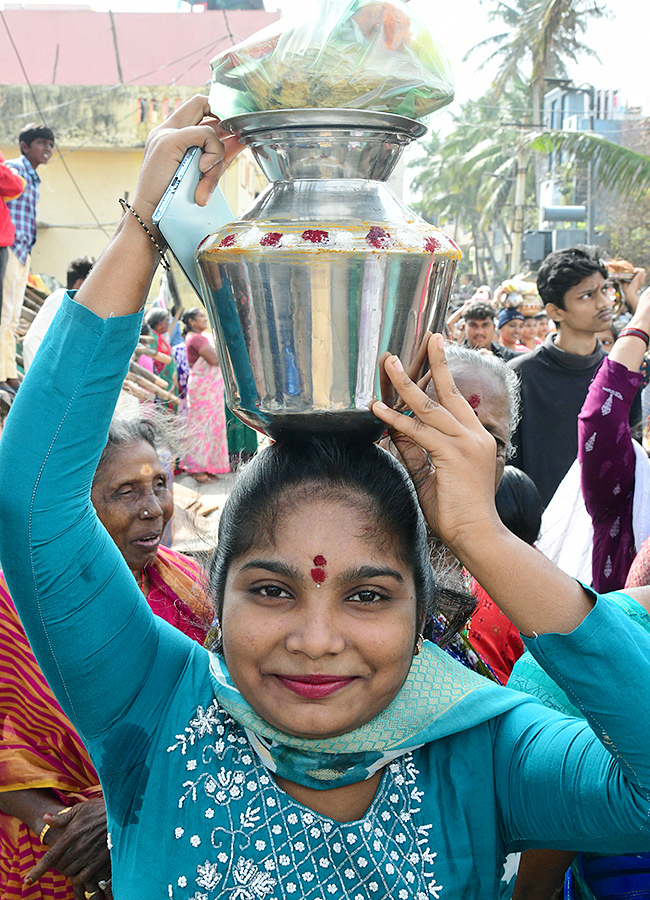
314 687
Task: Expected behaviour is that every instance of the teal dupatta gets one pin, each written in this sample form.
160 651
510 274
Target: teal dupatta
439 698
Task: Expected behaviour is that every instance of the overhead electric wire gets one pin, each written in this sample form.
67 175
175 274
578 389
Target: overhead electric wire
116 87
40 112
205 49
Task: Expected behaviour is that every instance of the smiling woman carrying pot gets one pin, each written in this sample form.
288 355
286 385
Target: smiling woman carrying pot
326 750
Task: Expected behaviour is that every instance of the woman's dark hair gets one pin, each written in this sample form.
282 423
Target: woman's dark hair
187 317
563 269
519 504
364 475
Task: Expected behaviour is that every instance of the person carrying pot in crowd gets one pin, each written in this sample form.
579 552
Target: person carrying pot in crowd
312 752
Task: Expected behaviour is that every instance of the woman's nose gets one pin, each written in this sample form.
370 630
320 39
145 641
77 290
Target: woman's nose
317 633
150 507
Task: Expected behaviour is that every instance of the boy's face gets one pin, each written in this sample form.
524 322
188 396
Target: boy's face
588 306
39 152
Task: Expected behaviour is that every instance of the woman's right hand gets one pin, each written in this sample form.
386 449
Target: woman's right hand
78 848
191 125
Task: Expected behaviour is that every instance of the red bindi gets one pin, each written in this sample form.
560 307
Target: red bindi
474 401
318 572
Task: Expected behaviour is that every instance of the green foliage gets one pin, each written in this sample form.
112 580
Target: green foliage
619 168
467 179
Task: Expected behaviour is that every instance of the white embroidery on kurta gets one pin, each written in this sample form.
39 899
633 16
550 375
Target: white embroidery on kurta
267 847
606 408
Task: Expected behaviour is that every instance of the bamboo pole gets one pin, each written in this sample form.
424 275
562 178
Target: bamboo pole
149 386
31 304
146 351
137 369
131 388
27 314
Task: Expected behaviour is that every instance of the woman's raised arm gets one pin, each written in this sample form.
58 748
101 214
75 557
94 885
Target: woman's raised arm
77 598
455 483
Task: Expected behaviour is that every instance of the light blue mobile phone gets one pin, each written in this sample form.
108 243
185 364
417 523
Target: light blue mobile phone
182 222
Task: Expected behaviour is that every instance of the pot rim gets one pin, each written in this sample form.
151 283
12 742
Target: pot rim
336 119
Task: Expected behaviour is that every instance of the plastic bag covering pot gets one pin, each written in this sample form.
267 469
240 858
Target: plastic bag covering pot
360 54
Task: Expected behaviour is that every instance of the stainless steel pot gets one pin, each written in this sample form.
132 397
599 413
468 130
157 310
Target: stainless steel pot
326 271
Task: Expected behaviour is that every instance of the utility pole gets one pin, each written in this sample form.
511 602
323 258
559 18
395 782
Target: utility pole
518 219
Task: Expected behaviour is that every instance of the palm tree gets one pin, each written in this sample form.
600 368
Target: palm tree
623 170
542 35
469 178
480 160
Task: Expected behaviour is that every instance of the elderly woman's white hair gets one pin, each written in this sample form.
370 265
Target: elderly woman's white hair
487 364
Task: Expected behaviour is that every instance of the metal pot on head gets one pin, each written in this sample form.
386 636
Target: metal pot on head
323 273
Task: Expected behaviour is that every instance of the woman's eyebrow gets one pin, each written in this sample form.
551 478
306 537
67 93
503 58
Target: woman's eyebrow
272 565
364 572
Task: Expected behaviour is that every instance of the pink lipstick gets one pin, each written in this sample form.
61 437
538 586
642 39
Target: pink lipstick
314 687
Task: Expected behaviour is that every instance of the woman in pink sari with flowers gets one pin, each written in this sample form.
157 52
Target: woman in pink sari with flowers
206 411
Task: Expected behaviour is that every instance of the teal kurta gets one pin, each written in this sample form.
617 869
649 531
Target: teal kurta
193 814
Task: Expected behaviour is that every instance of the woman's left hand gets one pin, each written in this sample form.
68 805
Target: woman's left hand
448 453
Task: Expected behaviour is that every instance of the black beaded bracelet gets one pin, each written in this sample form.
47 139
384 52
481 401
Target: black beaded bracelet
162 250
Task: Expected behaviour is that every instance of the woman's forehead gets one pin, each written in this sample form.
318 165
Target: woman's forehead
131 462
321 521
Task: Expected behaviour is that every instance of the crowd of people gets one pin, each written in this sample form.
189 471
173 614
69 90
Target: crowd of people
327 710
181 351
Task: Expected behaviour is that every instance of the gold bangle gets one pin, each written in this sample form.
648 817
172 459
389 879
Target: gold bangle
46 828
126 206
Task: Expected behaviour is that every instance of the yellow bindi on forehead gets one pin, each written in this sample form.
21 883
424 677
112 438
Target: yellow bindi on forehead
146 470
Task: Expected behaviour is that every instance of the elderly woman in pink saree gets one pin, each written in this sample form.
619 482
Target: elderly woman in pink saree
206 411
